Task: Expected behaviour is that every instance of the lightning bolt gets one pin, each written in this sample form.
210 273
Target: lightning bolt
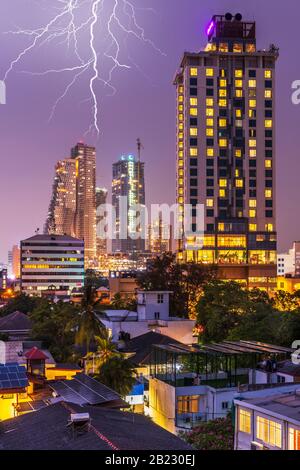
78 24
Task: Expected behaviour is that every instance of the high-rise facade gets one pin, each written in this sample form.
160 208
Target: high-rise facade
72 209
51 263
85 216
14 258
226 151
101 200
62 207
128 181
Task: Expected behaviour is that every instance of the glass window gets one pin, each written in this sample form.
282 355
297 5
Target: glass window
209 122
210 152
268 431
268 163
222 102
209 202
237 48
252 213
223 82
252 103
193 112
209 102
252 203
239 83
193 152
209 111
252 83
252 227
209 72
268 94
223 183
238 73
194 101
209 132
223 47
194 72
223 122
244 421
239 93
194 131
268 73
268 123
239 183
294 439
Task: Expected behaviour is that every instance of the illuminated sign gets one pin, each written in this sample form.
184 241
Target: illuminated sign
210 28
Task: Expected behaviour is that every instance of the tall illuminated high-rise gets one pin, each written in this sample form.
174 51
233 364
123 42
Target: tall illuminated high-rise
60 220
85 215
128 181
226 151
72 208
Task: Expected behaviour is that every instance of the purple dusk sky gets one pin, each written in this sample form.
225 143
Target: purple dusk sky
143 106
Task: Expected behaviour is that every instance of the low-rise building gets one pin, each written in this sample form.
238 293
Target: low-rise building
190 384
16 326
270 421
152 315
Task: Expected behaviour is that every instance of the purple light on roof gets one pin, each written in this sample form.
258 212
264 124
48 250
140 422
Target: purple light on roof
210 28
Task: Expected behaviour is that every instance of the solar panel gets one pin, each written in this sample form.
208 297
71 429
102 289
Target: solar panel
12 376
84 390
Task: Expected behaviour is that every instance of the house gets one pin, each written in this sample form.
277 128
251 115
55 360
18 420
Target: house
152 315
270 421
13 386
138 352
280 372
16 326
190 384
65 426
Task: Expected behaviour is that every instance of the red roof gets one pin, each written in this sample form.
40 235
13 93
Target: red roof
35 353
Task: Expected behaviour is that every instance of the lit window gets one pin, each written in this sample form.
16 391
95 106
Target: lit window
268 193
209 122
223 47
223 183
269 228
244 421
222 122
238 113
252 83
209 102
238 153
194 72
268 123
239 83
222 103
239 123
223 143
251 113
194 152
222 92
268 163
237 48
180 117
238 73
180 108
223 74
268 73
209 202
250 48
252 213
268 94
180 126
209 72
252 227
252 143
237 173
181 89
180 99
193 112
194 101
194 131
252 203
180 135
221 227
223 82
252 103
239 93
294 439
209 132
239 183
222 193
252 153
210 152
209 111
268 431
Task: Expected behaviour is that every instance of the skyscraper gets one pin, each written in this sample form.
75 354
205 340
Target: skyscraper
62 207
128 181
85 216
72 208
101 198
14 259
226 151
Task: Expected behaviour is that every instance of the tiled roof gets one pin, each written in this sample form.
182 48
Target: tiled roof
36 354
110 430
142 345
16 321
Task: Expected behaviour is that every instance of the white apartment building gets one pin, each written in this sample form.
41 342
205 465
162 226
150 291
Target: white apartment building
51 263
268 420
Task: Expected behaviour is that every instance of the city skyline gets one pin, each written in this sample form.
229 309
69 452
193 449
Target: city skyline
41 146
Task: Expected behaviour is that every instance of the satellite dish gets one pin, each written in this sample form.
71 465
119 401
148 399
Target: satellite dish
238 17
228 17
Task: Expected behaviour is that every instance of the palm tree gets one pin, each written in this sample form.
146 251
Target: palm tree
105 350
89 326
118 374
